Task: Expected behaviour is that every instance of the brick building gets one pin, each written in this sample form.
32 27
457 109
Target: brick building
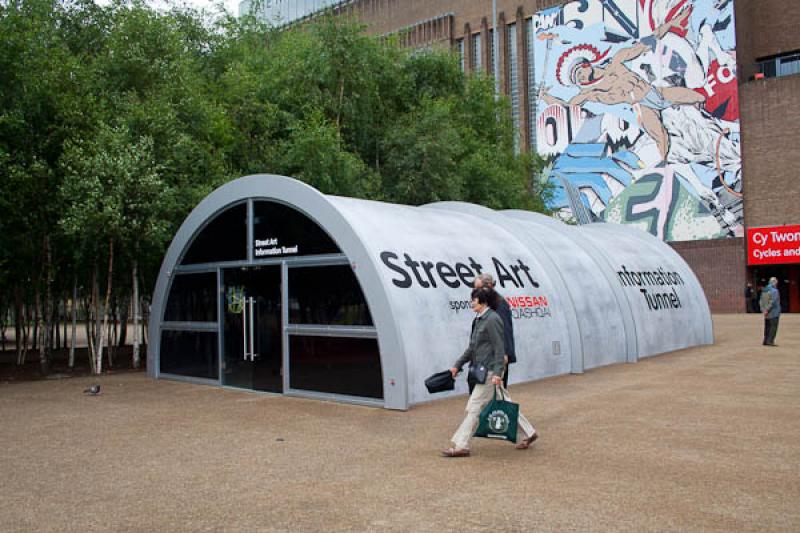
767 59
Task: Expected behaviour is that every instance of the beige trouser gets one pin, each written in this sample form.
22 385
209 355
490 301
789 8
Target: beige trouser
481 395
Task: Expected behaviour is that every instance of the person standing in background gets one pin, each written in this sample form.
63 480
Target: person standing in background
771 307
749 298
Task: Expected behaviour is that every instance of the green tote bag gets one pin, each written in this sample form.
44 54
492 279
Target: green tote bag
498 419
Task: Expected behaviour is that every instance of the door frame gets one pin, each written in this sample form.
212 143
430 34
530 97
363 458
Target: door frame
287 329
311 330
221 303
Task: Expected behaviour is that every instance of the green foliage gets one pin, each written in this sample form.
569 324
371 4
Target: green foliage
356 115
313 153
423 154
112 189
116 120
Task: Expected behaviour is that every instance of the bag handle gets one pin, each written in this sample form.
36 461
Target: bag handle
502 394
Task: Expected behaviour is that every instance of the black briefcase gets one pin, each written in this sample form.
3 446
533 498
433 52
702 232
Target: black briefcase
440 382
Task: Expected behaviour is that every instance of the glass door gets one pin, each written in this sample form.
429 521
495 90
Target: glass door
252 334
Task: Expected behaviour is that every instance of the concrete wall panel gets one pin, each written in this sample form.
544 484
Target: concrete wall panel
668 303
601 312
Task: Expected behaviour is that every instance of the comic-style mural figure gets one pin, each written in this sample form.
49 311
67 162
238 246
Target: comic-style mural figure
638 111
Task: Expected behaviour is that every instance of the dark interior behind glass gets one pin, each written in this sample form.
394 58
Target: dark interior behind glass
328 295
336 365
192 298
223 239
264 370
278 229
189 353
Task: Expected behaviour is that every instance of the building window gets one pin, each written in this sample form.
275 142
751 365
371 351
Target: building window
460 52
327 295
223 239
532 89
281 231
513 81
192 298
189 353
781 65
490 47
335 365
476 52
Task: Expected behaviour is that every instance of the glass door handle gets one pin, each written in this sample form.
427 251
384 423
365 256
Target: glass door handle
252 302
248 337
244 330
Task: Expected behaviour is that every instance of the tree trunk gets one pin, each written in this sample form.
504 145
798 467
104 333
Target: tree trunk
47 309
74 309
36 304
26 333
135 302
111 333
91 327
123 323
65 324
61 324
18 322
110 342
89 317
102 328
56 325
145 310
3 317
97 330
64 330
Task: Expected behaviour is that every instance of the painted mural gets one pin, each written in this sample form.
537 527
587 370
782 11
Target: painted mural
637 114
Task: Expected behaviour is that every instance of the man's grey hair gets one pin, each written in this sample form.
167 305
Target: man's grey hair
486 280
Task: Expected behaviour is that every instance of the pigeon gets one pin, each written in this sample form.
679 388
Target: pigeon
94 390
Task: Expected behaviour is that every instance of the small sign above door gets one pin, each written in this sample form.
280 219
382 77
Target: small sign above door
271 247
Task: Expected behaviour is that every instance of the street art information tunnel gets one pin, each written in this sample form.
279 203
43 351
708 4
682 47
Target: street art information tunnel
272 286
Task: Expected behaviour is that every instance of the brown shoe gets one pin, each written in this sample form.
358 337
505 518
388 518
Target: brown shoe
524 445
455 452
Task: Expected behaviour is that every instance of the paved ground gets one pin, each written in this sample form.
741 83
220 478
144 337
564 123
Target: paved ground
703 439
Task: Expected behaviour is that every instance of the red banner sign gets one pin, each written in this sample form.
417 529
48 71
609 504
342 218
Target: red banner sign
773 245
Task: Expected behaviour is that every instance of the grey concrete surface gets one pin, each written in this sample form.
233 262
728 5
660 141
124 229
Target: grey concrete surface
701 439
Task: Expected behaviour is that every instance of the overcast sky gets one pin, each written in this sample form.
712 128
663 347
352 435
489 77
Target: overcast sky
231 5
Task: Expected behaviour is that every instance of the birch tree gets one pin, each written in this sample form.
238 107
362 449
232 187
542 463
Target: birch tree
107 180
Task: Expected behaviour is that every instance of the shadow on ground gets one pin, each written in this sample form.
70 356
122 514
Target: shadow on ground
121 361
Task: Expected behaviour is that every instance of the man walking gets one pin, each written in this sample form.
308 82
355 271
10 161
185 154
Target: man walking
771 307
